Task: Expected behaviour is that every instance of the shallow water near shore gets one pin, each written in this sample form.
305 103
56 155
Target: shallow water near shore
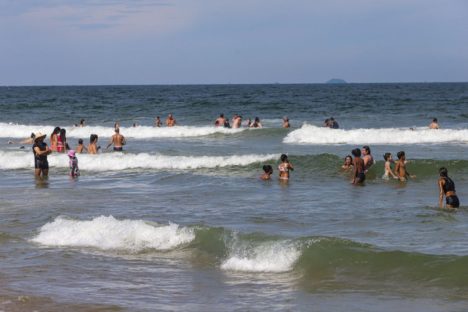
180 220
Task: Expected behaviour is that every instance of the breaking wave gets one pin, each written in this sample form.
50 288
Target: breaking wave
314 258
10 130
120 161
108 233
313 135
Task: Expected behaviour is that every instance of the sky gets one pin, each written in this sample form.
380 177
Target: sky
89 42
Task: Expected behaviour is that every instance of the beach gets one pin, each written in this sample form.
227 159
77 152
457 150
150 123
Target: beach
181 221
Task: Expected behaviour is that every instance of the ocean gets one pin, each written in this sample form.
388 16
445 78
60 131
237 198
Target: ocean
181 221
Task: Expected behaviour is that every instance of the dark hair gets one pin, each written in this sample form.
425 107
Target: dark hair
332 119
348 156
117 130
56 130
400 154
386 156
82 121
367 148
434 120
221 115
93 138
33 135
267 169
80 141
63 135
443 172
284 157
356 152
257 119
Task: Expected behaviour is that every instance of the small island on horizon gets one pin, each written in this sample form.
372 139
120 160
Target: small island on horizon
336 81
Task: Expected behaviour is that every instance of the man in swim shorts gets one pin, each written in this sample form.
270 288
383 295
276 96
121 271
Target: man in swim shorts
359 175
118 140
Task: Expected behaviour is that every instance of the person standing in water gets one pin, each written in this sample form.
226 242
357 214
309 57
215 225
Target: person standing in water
157 122
118 140
170 121
256 123
40 151
220 121
286 122
73 164
359 175
284 167
92 147
447 189
368 159
236 121
54 139
400 167
80 147
434 124
388 167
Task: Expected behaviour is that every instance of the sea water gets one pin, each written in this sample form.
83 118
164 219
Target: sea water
181 221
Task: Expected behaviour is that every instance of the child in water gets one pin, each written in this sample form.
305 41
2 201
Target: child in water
73 164
388 167
268 171
400 167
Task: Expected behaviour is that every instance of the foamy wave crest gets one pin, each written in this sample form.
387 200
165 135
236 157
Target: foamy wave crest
267 257
108 233
8 130
309 134
120 161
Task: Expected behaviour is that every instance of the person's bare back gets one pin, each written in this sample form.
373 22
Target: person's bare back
118 140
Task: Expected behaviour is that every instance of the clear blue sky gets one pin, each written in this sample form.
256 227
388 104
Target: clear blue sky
52 42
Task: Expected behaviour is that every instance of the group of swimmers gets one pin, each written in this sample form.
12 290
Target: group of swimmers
222 121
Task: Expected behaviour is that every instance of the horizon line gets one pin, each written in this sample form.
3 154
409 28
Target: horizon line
221 84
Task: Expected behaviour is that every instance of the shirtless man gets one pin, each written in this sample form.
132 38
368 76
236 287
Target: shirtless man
236 121
220 121
170 121
434 124
118 140
367 157
80 147
286 122
400 167
359 175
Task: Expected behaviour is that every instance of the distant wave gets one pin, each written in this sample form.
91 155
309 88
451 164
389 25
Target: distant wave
9 130
313 135
119 161
314 257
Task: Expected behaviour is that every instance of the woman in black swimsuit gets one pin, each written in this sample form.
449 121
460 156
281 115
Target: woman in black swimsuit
447 189
40 150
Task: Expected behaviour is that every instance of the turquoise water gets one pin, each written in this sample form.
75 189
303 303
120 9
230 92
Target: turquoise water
181 221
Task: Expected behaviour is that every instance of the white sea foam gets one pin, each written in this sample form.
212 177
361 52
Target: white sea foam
119 161
267 257
309 134
108 233
9 130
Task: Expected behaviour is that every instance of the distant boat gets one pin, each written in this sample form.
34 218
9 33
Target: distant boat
336 81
